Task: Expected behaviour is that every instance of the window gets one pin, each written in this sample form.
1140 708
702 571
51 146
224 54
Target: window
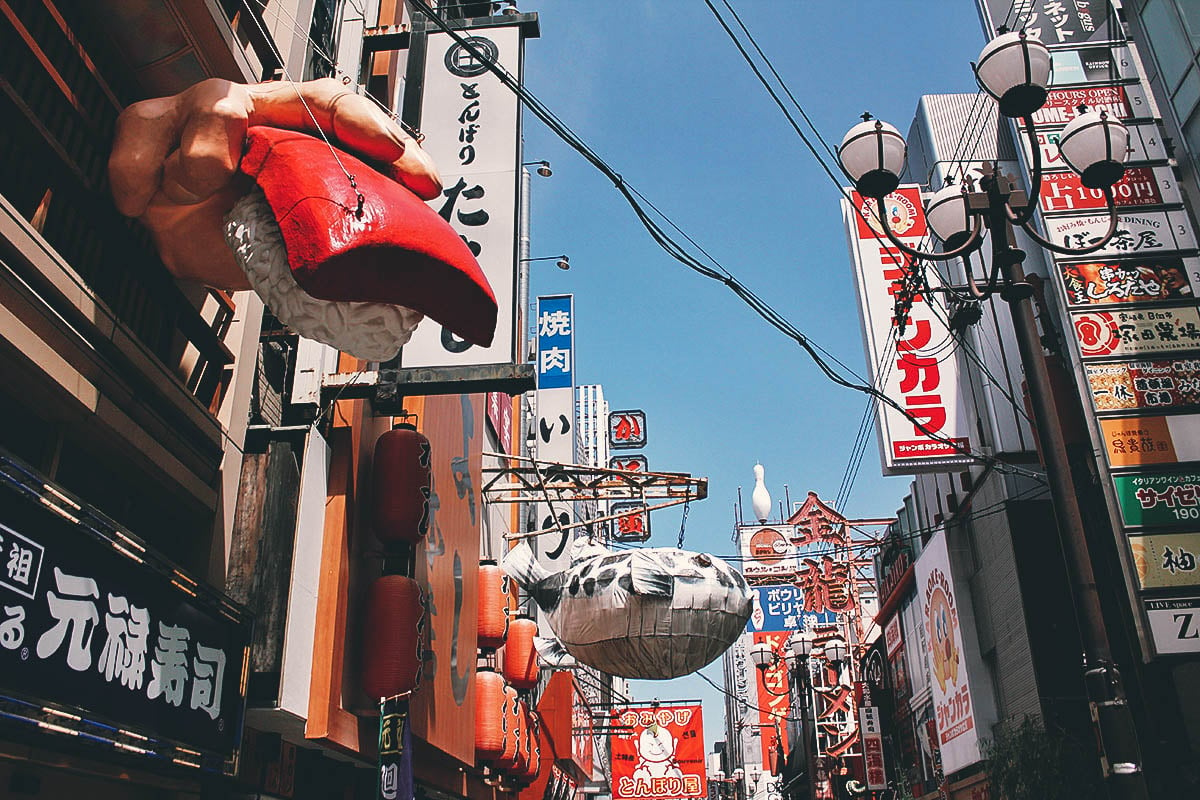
1165 31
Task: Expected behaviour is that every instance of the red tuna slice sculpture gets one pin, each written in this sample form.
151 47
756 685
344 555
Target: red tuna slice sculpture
367 248
318 195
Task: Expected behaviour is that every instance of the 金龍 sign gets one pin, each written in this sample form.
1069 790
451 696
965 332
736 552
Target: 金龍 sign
659 754
94 623
1157 499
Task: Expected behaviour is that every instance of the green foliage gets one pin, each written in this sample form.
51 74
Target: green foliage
1027 762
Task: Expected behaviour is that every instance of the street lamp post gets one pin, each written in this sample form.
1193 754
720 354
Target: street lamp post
763 657
1015 70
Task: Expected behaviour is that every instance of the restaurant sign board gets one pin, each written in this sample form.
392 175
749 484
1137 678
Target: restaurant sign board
117 644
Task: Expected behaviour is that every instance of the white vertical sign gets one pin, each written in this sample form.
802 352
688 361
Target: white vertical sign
471 122
912 367
554 426
954 713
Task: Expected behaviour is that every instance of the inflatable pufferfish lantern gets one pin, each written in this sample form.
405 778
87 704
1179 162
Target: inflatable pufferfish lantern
243 187
650 614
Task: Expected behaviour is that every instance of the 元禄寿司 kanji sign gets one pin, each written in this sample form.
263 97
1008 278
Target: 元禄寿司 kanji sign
97 624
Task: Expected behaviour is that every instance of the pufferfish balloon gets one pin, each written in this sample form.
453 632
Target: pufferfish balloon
649 614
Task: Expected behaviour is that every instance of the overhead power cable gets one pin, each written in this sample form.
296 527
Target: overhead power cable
673 248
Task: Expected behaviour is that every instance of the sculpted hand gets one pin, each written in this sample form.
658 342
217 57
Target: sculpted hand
174 160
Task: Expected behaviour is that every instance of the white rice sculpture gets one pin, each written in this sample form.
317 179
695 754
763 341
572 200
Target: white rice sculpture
650 614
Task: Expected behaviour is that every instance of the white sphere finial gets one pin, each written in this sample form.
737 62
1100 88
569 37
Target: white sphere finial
760 499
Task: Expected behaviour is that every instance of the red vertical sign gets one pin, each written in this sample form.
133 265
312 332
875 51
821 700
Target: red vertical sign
774 697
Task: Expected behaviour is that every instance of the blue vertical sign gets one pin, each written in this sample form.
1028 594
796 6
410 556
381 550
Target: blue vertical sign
555 339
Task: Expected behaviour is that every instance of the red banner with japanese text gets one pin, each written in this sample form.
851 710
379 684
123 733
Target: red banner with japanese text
774 699
659 753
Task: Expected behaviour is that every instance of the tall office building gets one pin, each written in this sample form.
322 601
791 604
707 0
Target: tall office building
591 414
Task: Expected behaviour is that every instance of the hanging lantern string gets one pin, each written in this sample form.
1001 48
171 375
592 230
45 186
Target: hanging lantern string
358 211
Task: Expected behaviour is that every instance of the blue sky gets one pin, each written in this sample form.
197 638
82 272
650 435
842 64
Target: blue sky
660 92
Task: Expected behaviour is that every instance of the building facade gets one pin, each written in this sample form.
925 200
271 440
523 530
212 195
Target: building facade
188 488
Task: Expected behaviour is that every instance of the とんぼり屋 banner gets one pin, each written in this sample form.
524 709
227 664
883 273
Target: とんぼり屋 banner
659 753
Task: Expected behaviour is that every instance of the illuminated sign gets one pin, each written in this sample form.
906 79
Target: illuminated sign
1130 281
111 636
908 364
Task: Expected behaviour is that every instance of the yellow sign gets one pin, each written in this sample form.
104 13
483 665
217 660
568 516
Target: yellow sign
1166 559
1134 441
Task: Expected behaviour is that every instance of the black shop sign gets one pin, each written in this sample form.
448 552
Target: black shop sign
103 639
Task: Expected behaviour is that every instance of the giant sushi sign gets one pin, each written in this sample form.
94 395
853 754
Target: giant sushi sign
659 754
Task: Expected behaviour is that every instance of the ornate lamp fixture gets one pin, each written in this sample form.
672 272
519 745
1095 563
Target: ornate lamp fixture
1015 71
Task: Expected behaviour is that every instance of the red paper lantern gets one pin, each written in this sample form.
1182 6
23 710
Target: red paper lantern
521 762
534 759
510 717
493 606
391 649
520 656
401 483
489 715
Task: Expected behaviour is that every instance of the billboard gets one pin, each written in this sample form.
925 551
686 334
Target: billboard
908 363
444 568
1174 624
472 127
1135 441
1141 186
1138 332
1060 23
1163 385
780 607
659 754
1159 499
113 640
954 713
1139 233
1166 560
1139 280
767 551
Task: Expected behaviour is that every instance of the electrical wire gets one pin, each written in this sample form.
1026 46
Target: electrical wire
676 250
950 344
